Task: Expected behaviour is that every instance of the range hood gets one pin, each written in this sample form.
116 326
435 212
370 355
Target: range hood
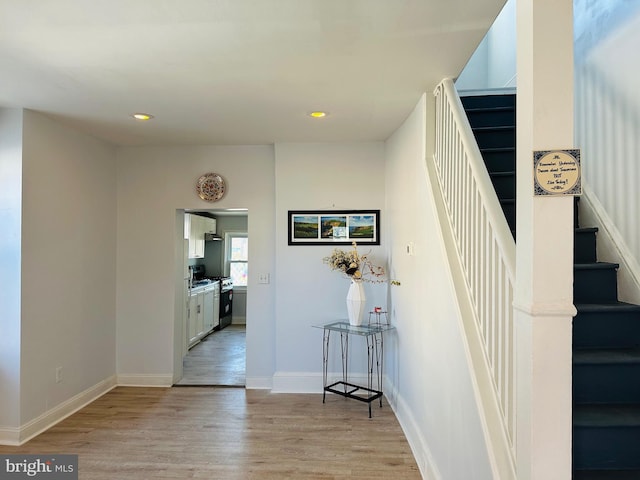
212 236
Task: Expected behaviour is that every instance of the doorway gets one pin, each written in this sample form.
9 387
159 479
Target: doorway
217 360
215 356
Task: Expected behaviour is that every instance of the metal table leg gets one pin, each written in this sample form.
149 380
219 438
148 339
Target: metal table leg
379 352
344 347
325 362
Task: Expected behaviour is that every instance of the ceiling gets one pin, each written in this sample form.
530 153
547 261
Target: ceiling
233 71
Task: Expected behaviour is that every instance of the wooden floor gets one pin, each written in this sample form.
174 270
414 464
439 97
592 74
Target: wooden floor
217 360
228 433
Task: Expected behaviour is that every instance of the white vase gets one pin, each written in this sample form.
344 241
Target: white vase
355 302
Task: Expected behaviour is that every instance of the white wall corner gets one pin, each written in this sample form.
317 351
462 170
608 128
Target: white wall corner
19 436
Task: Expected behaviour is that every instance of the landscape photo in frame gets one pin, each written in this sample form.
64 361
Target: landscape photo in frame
337 227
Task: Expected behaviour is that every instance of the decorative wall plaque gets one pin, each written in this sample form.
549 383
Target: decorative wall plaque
557 172
210 187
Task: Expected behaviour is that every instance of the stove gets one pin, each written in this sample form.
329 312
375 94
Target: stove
226 284
226 299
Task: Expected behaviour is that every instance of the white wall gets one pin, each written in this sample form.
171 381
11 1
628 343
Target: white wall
68 266
152 184
428 372
607 123
319 177
493 64
10 274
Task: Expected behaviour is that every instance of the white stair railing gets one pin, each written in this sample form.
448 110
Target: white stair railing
486 252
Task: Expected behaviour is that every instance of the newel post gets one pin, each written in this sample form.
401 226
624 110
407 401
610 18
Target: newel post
543 303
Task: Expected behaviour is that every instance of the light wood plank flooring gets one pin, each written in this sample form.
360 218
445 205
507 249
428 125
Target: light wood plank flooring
228 433
218 360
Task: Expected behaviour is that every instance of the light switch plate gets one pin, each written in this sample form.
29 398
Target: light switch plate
410 249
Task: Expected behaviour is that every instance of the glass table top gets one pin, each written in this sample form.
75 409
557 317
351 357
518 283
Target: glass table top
365 329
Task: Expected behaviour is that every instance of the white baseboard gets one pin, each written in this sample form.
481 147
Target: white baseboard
297 382
10 436
142 380
411 429
258 383
19 436
239 321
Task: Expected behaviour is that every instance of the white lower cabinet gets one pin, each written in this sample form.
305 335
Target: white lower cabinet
208 311
216 307
203 314
196 317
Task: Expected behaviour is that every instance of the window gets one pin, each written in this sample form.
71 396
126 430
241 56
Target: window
237 258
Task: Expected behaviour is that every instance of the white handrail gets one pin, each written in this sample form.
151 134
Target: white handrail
486 252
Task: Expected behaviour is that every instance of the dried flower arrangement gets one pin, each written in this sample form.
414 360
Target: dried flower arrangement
354 265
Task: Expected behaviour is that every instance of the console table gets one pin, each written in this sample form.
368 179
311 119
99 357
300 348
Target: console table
373 334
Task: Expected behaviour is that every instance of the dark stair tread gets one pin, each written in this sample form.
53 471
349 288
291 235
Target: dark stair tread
502 174
606 356
606 474
586 229
607 307
494 129
606 416
595 266
497 149
488 109
488 100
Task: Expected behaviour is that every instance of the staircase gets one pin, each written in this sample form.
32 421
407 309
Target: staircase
493 120
606 332
606 370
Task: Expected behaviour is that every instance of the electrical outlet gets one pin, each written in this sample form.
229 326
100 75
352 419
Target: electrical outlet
58 374
264 278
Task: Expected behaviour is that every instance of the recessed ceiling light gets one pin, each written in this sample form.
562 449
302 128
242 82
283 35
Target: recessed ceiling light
142 116
318 114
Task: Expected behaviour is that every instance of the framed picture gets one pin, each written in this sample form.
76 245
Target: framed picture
338 227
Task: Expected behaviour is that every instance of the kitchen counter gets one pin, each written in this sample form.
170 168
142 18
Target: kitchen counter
199 287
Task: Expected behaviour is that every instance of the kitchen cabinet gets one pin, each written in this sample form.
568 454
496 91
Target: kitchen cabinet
197 226
196 236
208 311
196 317
204 313
209 225
216 306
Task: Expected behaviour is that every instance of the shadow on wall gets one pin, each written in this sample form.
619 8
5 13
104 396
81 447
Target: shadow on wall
607 119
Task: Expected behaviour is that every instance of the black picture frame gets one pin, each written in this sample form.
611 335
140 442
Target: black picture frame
333 227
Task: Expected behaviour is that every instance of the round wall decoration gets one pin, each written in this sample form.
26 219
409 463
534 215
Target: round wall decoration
210 187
